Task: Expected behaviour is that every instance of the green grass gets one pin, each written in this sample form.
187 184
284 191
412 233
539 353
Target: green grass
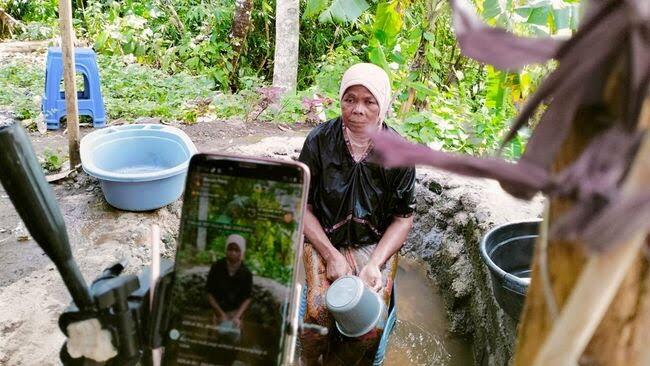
133 90
21 84
130 90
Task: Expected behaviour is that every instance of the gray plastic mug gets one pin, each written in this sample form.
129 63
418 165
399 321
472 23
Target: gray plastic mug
356 308
228 332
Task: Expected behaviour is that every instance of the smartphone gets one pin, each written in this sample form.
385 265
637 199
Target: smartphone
235 273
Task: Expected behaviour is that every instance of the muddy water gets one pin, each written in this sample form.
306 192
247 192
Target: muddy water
420 336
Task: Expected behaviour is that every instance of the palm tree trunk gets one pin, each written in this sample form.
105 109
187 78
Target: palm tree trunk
240 26
287 30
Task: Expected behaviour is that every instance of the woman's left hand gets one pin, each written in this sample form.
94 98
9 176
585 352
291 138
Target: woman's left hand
371 276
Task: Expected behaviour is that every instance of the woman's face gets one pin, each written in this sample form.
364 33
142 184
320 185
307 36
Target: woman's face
359 109
233 253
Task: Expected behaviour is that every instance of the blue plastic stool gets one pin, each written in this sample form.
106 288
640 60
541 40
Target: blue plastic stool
388 328
90 101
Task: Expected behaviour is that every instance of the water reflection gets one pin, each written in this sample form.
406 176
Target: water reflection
421 334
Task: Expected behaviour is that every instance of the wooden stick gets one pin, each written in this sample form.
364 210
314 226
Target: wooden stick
156 355
67 49
597 284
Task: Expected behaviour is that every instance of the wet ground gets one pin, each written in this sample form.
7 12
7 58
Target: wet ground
421 335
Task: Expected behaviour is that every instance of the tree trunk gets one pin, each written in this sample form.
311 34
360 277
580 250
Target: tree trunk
69 71
287 31
622 335
240 26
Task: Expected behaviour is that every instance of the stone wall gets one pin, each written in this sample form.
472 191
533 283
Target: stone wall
453 213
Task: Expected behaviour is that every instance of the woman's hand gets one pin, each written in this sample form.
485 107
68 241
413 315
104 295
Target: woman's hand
337 266
217 318
371 276
236 321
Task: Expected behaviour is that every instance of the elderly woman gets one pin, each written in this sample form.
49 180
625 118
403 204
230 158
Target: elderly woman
358 215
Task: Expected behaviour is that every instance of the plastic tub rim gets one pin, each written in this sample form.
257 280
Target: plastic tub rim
92 169
496 270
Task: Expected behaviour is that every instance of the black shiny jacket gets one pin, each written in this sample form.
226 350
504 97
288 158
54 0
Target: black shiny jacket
355 202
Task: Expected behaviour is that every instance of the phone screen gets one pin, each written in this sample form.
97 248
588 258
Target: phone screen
238 243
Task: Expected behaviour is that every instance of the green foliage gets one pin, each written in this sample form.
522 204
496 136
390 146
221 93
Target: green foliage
314 8
441 98
36 31
188 36
451 124
130 90
387 25
548 17
194 37
342 11
484 99
31 10
496 93
21 84
52 162
385 29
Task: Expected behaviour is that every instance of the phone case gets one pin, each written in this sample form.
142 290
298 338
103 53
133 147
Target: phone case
288 345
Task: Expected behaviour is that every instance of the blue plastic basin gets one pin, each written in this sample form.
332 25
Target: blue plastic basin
140 167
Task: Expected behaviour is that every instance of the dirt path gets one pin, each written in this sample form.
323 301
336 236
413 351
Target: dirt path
9 48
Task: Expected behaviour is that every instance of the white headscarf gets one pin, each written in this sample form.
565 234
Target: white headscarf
239 240
374 78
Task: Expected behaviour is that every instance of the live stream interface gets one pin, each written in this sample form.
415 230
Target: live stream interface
233 270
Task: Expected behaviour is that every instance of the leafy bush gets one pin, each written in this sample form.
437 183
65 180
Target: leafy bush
193 36
52 162
21 84
130 90
31 10
441 98
37 31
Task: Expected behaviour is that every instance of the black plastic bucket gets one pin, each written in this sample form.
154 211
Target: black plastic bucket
507 250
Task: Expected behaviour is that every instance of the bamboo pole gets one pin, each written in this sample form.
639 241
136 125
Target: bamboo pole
67 49
600 279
